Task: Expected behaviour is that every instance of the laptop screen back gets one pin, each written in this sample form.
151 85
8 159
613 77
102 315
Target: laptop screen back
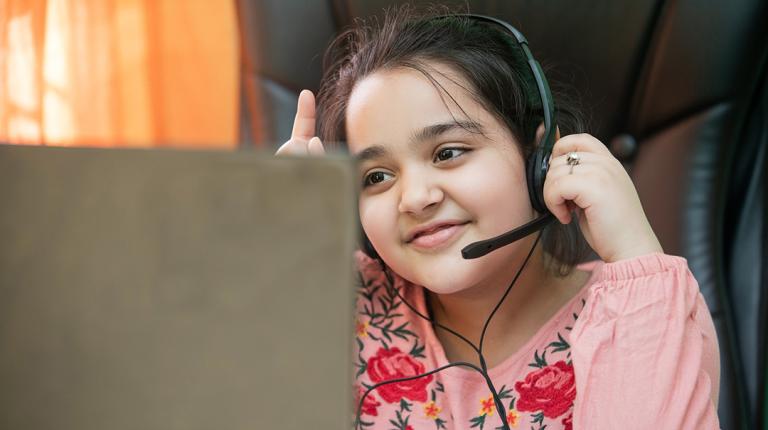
144 289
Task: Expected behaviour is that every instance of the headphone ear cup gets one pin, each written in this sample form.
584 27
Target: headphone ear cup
536 172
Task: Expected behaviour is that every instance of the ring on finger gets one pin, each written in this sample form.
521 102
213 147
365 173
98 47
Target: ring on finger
572 159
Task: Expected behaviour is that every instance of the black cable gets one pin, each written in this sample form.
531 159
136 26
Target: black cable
411 378
509 288
435 323
483 370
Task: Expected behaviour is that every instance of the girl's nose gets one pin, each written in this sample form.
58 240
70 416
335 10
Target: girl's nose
418 194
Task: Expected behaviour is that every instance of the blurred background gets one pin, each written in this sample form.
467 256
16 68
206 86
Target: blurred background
675 88
119 73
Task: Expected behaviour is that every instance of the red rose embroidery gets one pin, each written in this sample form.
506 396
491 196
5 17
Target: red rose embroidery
370 404
550 389
568 422
390 364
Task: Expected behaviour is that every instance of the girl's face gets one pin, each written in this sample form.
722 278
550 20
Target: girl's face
435 178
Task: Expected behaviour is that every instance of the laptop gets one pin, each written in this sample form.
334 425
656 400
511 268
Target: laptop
165 289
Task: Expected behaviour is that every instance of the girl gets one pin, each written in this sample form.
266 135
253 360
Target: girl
442 114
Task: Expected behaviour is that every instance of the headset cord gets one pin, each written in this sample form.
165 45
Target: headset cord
358 421
483 369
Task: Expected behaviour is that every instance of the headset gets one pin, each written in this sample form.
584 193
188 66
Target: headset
537 163
537 166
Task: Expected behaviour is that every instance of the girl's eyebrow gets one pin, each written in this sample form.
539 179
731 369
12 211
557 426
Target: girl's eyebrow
435 130
427 133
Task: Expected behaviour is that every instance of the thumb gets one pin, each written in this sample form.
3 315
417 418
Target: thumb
304 123
315 146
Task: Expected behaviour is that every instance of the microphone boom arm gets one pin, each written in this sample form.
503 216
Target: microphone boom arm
478 249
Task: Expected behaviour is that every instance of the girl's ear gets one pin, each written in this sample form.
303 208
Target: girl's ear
540 133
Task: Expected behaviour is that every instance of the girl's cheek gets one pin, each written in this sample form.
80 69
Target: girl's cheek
376 224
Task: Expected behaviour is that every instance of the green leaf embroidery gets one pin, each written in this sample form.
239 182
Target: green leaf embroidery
417 351
361 365
539 362
559 345
504 392
478 421
365 423
538 418
400 423
405 406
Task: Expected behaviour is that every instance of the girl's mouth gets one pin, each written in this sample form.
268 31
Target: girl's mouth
439 236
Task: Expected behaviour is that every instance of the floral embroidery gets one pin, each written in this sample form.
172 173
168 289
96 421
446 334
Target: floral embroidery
487 406
568 422
380 319
369 404
389 347
559 395
390 364
431 410
439 422
512 417
550 390
401 419
361 328
381 309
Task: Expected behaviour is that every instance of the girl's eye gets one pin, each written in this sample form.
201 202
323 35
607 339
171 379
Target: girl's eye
374 178
448 153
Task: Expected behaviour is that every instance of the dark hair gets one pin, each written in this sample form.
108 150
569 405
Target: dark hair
488 59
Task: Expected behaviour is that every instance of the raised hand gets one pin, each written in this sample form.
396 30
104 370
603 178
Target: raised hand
303 140
603 196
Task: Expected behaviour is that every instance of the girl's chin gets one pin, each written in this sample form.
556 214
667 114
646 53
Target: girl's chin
447 281
452 273
441 290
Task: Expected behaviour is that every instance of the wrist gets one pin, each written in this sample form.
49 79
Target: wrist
637 250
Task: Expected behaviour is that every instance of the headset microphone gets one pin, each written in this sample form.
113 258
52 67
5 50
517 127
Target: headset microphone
478 249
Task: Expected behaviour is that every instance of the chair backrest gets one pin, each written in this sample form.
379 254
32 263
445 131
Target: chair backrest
676 89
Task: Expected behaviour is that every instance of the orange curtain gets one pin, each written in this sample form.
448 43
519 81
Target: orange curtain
119 72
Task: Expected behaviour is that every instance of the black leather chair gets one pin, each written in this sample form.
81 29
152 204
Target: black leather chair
677 89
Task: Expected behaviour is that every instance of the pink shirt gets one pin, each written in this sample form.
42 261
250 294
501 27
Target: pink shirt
634 349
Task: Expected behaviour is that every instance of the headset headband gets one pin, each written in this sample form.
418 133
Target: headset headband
547 104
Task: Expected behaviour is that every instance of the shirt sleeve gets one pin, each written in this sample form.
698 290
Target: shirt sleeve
644 349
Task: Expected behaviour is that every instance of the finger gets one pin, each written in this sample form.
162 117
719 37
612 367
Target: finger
584 158
304 123
315 147
565 191
579 143
550 189
561 211
293 147
607 162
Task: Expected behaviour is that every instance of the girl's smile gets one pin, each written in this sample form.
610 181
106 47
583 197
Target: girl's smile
436 235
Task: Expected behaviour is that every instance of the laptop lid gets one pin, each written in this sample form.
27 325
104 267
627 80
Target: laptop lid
160 289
